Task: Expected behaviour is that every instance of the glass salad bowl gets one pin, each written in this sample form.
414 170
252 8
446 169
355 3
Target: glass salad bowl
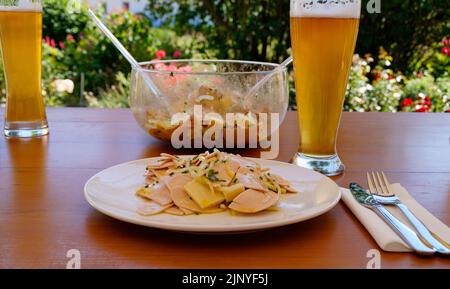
217 86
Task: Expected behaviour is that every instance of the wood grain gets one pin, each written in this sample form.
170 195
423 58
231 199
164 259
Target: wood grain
43 212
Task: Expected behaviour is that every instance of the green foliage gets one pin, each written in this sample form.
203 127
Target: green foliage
53 69
259 29
438 90
95 56
239 29
384 96
434 60
374 86
246 29
112 97
63 17
406 28
373 89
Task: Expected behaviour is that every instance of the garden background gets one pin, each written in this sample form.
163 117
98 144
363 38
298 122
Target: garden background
402 60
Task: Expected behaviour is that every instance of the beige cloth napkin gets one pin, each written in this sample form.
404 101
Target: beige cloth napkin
385 237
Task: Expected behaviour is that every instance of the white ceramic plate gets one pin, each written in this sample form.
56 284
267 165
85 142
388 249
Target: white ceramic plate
111 191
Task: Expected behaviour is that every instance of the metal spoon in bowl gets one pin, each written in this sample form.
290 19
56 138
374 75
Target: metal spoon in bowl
151 85
260 83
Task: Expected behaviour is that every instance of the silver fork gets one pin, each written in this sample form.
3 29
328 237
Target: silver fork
382 192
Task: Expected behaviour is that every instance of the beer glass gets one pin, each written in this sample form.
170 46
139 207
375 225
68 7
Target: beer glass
21 40
323 35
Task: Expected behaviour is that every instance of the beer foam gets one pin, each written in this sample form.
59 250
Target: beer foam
326 8
21 5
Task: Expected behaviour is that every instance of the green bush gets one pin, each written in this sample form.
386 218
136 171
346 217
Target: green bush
425 93
54 70
258 30
113 96
436 60
63 17
252 30
374 86
408 29
96 57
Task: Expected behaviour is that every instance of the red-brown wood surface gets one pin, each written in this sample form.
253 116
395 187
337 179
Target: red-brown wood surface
43 213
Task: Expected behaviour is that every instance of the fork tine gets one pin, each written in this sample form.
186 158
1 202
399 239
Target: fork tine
388 185
382 185
377 186
369 182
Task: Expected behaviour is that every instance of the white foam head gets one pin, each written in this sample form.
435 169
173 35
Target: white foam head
21 5
326 8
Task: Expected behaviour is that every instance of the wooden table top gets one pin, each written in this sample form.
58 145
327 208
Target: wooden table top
43 213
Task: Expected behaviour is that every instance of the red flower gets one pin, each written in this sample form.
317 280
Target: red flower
160 54
376 75
70 38
61 45
422 109
445 51
407 102
52 43
177 54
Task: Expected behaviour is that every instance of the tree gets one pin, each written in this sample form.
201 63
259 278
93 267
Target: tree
59 20
406 28
259 29
241 29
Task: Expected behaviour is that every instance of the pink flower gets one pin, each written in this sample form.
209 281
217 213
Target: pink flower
445 42
70 38
47 39
52 43
177 54
158 66
160 54
407 102
61 45
186 68
445 51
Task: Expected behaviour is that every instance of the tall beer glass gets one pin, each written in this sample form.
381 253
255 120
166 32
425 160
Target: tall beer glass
21 40
323 34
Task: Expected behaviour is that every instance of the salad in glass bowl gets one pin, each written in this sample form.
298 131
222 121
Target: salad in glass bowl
217 86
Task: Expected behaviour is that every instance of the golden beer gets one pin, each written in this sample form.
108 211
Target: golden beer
21 40
323 50
323 36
